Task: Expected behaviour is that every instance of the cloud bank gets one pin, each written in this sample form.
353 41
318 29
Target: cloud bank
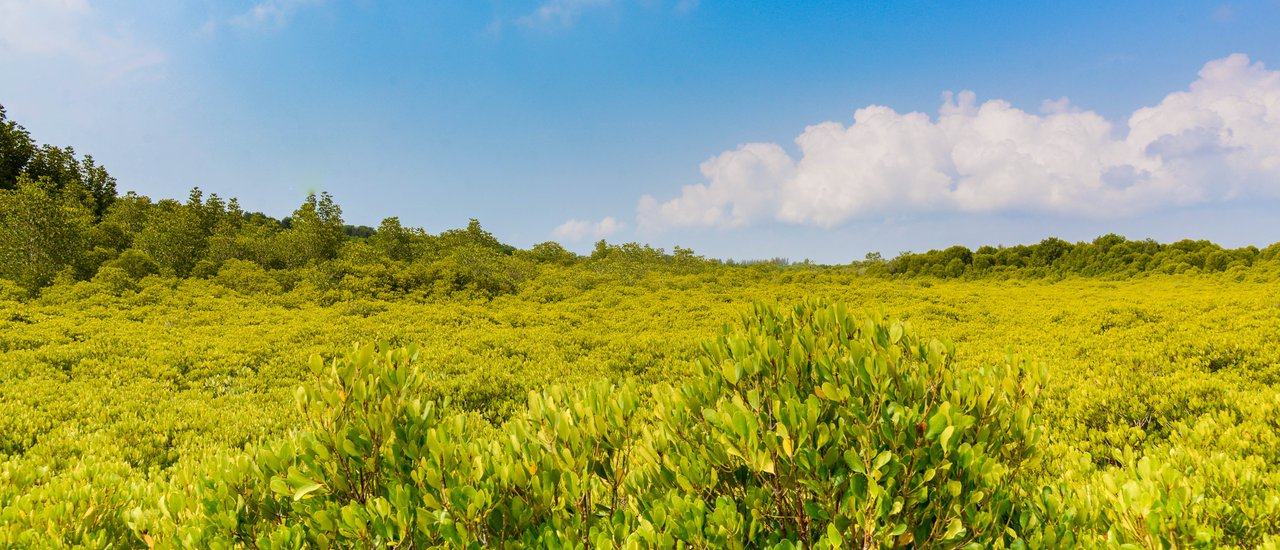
576 230
1219 140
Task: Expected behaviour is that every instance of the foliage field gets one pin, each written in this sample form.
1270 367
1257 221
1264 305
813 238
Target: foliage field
1160 398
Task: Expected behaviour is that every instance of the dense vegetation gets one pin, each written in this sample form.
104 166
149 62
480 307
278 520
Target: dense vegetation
169 413
1109 256
183 375
60 216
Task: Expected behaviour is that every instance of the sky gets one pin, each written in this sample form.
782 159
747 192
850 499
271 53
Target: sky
745 130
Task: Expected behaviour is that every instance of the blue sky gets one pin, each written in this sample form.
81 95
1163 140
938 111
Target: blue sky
728 127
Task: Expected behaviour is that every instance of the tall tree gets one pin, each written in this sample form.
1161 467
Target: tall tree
315 231
42 232
177 235
395 240
20 155
16 149
473 235
124 221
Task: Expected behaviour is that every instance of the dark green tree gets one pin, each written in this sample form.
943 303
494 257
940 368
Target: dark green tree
16 149
315 231
123 221
176 235
395 240
19 155
551 252
473 235
42 232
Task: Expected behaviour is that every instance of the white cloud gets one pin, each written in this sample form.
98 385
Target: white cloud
1219 140
41 29
271 13
742 188
576 230
559 13
1058 106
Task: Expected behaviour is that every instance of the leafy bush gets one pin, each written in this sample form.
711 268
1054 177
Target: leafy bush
833 429
246 277
807 425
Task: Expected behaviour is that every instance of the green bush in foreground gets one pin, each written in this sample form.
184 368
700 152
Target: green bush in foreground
819 426
807 427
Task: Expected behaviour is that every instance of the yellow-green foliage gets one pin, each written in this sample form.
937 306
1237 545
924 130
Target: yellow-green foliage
810 425
593 408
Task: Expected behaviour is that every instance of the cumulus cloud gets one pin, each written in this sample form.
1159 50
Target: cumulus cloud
71 29
576 230
743 187
1218 140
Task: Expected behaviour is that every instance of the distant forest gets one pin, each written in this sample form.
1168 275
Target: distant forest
61 220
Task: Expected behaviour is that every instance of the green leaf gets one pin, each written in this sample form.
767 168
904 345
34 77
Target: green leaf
937 423
729 370
946 436
304 491
883 458
278 485
954 529
350 449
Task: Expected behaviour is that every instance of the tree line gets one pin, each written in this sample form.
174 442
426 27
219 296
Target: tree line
61 217
1108 255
